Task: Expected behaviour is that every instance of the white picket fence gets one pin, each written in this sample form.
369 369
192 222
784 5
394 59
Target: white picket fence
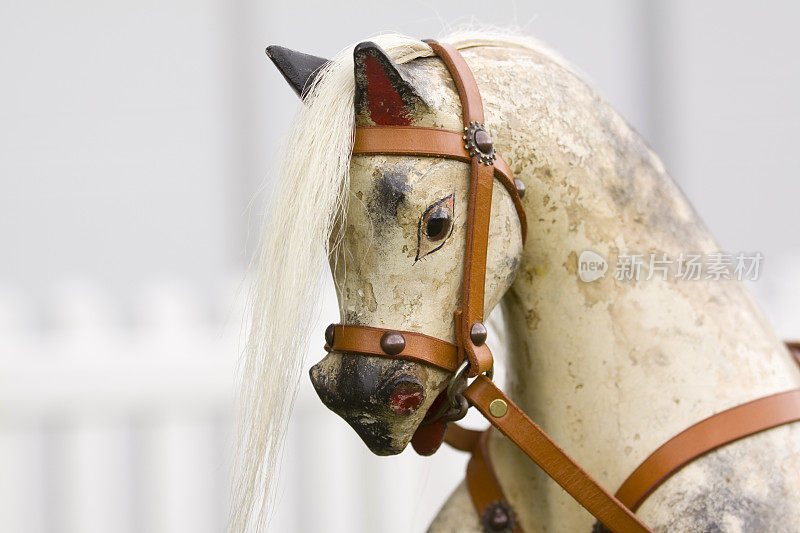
114 420
107 427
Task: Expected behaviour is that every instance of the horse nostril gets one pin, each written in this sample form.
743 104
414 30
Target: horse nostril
406 398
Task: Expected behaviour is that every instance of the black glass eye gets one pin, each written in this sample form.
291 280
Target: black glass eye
437 226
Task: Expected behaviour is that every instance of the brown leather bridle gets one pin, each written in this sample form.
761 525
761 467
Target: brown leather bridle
470 355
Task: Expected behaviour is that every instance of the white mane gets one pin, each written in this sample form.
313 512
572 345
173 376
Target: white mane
311 194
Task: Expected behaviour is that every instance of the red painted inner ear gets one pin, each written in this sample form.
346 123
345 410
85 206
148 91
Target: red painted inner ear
386 107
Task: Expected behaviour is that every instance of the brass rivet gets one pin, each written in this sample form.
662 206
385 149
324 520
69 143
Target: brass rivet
329 335
392 342
498 408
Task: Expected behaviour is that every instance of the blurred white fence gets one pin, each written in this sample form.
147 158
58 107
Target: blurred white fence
107 427
123 423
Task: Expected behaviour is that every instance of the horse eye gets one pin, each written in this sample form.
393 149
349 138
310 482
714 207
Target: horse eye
435 226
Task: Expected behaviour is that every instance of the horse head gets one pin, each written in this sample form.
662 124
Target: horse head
399 261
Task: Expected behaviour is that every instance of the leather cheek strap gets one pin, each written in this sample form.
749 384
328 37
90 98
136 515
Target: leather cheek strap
417 347
471 312
478 217
471 102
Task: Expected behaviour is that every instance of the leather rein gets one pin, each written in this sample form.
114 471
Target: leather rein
471 357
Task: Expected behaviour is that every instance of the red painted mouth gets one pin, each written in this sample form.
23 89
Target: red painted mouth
429 436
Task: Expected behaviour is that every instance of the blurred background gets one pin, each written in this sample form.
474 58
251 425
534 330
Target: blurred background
138 145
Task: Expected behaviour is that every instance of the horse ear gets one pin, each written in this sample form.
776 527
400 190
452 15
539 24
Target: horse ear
298 68
383 95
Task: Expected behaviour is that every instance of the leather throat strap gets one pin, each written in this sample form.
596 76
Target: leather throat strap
482 483
794 349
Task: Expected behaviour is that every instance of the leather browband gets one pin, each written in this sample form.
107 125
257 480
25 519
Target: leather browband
432 142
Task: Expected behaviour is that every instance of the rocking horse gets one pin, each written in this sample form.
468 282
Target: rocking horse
445 179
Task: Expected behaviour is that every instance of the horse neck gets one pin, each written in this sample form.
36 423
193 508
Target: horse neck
612 369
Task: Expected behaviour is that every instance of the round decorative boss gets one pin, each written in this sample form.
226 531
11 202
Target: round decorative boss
478 143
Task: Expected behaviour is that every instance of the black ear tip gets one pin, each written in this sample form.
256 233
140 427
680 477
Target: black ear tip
366 46
280 55
298 68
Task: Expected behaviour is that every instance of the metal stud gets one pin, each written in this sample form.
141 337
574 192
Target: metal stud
498 408
329 335
498 520
499 517
520 187
392 343
478 334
